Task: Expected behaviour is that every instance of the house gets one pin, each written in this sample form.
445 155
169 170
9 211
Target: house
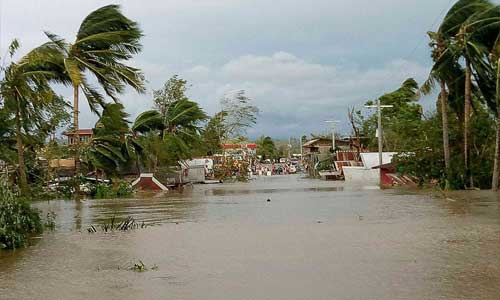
147 181
84 134
317 147
321 147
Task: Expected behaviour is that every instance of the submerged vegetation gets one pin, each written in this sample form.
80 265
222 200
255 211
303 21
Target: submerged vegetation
17 219
113 225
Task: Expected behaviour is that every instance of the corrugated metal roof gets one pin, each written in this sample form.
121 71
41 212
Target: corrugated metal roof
80 132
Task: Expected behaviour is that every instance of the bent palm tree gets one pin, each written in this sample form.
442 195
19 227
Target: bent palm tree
445 71
485 60
113 146
178 128
25 90
105 40
460 23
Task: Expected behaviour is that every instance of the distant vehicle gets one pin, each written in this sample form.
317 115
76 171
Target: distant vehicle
282 160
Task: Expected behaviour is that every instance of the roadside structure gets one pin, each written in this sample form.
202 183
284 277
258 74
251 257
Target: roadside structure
366 174
320 149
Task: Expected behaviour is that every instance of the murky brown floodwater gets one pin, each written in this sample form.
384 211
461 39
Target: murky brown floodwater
314 240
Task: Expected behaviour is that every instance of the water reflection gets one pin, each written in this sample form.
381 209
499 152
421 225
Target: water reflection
314 240
223 192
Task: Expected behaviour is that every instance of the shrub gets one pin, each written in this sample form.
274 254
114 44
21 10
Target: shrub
124 189
106 191
102 191
17 219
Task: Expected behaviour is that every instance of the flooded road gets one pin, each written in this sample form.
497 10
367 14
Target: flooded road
313 240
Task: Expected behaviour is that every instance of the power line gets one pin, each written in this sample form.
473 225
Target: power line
419 43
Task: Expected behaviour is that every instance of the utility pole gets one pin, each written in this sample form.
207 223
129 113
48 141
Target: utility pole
333 122
301 151
379 129
289 148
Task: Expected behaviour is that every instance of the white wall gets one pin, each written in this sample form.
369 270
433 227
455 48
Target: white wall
370 159
362 176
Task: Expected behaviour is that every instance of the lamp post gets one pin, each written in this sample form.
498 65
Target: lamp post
379 131
333 123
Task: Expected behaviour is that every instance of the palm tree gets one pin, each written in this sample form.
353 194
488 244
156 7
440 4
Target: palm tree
178 127
445 71
486 36
105 40
452 42
460 22
496 163
25 89
113 146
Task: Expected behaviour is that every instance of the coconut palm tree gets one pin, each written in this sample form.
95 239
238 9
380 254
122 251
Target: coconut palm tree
461 22
485 33
104 42
25 90
437 74
113 145
496 163
178 128
451 43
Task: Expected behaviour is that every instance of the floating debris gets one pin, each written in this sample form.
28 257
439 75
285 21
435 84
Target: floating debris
138 267
141 267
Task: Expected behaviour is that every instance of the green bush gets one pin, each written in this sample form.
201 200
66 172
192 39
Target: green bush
17 219
106 191
102 191
124 189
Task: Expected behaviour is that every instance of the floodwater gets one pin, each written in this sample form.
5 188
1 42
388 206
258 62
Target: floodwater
313 240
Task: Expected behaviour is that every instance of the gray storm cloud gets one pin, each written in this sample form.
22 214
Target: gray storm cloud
301 61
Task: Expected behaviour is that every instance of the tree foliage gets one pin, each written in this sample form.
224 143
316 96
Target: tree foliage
104 42
266 148
239 114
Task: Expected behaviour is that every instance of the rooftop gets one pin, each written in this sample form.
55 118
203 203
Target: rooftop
80 132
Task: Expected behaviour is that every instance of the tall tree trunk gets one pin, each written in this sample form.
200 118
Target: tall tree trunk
494 181
467 115
75 107
76 137
23 180
446 135
496 162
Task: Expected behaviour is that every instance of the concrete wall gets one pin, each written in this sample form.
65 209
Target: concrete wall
362 176
196 174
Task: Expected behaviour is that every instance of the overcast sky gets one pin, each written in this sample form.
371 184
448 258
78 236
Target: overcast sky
301 62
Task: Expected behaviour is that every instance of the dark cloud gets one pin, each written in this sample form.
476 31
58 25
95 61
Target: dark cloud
301 61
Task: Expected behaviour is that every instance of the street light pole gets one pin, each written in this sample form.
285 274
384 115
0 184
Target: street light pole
333 122
379 107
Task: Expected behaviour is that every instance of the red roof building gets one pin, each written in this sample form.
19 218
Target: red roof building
148 182
84 134
239 146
